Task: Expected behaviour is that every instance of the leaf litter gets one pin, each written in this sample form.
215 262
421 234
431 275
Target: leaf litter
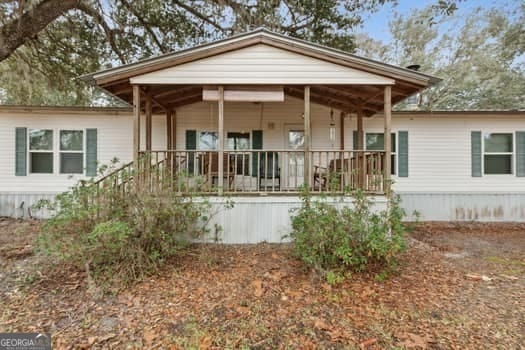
258 296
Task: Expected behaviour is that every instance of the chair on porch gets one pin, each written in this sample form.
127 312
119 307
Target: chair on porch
210 168
327 178
269 171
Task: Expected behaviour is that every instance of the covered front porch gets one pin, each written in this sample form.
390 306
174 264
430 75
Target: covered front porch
261 113
215 155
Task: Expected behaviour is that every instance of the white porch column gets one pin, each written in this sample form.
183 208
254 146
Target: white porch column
307 136
221 139
387 137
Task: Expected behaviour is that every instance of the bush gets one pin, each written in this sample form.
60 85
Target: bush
327 238
120 238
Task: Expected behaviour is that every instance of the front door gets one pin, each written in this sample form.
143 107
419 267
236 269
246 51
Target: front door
294 171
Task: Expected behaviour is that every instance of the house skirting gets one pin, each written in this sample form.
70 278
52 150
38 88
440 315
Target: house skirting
459 206
256 219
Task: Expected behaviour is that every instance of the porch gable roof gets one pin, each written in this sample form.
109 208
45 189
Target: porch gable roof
405 82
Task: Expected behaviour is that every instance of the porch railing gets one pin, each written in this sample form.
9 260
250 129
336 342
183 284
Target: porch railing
263 171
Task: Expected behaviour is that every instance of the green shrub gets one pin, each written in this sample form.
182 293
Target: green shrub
120 237
329 238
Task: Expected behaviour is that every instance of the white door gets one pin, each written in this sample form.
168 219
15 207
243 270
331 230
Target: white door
294 171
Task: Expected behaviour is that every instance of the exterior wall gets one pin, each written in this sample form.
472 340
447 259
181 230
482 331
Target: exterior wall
260 64
439 184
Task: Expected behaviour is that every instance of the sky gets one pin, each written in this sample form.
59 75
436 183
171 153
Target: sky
376 24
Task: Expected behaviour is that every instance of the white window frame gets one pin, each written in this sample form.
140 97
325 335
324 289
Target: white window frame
56 151
512 153
249 148
83 151
198 146
30 151
396 143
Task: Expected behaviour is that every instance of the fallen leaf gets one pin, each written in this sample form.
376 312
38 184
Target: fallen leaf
367 343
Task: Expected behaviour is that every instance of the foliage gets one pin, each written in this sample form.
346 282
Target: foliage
93 34
120 238
478 53
329 238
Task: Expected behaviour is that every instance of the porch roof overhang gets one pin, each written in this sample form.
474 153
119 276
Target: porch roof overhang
364 93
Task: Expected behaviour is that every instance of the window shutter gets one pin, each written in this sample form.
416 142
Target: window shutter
91 152
21 151
520 153
191 144
475 149
403 153
257 143
354 139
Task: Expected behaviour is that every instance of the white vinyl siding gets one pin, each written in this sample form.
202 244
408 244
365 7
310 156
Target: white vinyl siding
260 64
439 147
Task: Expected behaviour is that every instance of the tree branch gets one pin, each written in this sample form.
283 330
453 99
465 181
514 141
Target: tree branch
99 18
19 30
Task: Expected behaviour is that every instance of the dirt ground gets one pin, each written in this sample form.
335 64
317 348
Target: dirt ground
459 286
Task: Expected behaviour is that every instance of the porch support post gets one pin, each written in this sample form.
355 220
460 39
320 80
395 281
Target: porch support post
307 136
136 124
168 130
148 122
387 137
221 139
361 177
173 130
342 130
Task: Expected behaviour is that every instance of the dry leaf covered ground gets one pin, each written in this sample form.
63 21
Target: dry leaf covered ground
457 287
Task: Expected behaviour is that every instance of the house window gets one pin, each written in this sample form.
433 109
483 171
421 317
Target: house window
376 142
208 140
71 151
497 157
239 141
41 151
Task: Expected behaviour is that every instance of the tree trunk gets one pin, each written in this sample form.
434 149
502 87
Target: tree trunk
18 31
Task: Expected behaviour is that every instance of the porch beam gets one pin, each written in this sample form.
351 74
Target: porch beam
148 122
294 92
221 139
387 138
147 95
136 124
307 136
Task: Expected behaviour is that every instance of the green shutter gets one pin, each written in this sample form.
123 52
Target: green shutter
354 139
403 153
191 144
91 152
475 149
21 151
520 153
257 143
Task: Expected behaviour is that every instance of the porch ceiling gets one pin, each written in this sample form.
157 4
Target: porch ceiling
346 98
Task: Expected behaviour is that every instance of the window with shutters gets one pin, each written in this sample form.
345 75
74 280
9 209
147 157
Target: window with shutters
71 151
376 142
41 151
498 153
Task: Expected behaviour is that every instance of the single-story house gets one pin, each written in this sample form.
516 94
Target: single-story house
259 115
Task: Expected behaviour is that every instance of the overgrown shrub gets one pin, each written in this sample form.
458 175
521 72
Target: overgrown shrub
328 238
121 236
